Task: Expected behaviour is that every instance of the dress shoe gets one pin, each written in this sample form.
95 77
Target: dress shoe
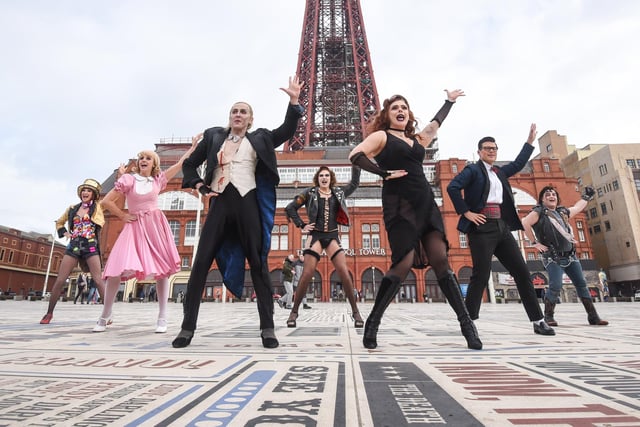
306 306
543 329
46 319
269 339
161 326
183 339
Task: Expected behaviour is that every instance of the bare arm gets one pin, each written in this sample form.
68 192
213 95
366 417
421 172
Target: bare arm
173 170
109 203
528 222
372 146
577 208
427 135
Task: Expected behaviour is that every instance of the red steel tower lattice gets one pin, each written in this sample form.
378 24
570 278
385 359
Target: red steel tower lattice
340 93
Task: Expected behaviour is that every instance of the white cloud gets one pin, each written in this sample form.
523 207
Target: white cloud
86 85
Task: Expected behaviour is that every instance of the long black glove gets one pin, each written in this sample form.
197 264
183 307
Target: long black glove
361 159
444 111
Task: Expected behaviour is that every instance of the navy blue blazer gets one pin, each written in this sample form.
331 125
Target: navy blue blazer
474 180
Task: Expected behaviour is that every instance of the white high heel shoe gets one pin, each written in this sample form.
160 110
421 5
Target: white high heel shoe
102 323
161 327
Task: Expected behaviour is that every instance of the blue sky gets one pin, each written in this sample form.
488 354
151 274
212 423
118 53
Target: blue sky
86 85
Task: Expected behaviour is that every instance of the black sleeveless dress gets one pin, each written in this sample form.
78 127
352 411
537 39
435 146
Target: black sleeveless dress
409 207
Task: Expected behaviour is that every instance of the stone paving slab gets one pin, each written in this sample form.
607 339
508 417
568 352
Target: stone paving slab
421 374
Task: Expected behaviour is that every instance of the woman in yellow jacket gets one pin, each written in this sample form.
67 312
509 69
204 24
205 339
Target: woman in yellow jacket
81 223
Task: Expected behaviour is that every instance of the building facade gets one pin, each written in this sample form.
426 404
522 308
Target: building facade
613 216
27 261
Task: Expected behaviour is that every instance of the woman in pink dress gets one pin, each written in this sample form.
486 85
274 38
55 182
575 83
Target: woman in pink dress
145 247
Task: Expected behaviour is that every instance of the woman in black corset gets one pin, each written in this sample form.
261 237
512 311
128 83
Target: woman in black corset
413 221
326 205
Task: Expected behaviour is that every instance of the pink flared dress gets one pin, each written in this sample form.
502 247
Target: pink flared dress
145 248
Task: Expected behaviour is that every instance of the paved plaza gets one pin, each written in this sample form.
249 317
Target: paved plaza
421 374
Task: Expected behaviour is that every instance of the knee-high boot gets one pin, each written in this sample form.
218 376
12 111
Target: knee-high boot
592 314
388 289
451 289
549 309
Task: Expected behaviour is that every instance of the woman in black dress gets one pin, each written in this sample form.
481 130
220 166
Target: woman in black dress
413 221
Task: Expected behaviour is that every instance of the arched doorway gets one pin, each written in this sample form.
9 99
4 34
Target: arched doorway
338 292
407 292
432 290
370 280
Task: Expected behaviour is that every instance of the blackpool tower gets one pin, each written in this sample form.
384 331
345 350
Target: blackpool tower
340 93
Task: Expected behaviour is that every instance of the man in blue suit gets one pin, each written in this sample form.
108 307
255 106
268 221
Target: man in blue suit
488 216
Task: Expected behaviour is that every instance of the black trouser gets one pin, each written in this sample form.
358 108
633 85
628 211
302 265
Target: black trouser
231 216
495 238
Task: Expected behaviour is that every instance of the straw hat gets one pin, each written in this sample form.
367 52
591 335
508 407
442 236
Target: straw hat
92 185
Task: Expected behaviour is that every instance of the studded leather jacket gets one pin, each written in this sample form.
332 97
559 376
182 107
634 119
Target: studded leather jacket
309 198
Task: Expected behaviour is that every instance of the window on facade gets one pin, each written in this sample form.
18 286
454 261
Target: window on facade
175 230
26 259
280 237
585 255
593 213
370 236
344 236
607 226
531 256
597 229
2 254
10 257
545 167
590 231
615 185
454 167
581 235
631 163
190 231
637 182
462 238
549 147
602 169
185 262
303 240
177 201
603 208
600 192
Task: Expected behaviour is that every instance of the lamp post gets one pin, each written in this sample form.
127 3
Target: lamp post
373 280
46 277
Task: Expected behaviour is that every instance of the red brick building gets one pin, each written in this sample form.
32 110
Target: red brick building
24 258
365 241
